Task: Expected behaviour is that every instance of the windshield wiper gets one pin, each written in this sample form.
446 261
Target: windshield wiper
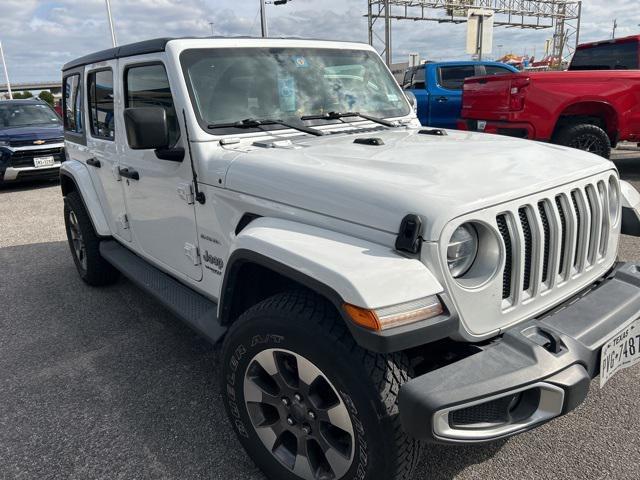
258 123
340 115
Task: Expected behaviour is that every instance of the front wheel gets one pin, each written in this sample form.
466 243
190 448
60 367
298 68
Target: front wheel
587 137
308 403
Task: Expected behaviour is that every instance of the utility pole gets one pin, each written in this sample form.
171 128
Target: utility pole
387 33
113 32
211 25
263 19
615 27
6 75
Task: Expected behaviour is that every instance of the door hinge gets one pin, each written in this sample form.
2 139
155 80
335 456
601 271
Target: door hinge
185 191
191 251
123 222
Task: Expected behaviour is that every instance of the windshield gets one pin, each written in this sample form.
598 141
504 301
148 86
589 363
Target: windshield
14 115
607 56
229 85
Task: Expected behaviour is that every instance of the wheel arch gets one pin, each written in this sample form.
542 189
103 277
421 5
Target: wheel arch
273 255
74 177
251 277
594 112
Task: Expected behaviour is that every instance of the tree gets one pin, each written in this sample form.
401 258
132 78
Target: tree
46 96
25 94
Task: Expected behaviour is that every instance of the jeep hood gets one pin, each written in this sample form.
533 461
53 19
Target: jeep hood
436 177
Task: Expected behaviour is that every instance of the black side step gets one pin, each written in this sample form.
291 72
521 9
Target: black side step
191 307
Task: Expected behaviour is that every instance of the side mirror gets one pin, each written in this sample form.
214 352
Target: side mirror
411 98
147 128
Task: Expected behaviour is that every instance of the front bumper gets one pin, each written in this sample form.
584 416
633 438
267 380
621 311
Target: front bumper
28 173
545 365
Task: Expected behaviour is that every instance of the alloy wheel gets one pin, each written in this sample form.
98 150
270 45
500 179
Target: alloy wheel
298 415
77 241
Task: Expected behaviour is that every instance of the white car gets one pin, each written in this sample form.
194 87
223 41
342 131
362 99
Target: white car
375 283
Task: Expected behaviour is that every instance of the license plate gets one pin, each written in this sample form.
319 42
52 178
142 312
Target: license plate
482 124
622 351
43 161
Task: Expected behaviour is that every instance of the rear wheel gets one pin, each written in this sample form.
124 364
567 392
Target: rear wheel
587 137
85 244
307 402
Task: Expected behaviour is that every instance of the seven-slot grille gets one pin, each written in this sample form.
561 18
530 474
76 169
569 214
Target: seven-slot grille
553 240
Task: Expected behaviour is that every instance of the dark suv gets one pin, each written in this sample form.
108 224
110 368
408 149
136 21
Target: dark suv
31 140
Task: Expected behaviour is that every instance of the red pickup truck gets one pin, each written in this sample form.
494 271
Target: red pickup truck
592 107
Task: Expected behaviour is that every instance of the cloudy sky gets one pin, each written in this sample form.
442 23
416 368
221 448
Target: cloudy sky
40 35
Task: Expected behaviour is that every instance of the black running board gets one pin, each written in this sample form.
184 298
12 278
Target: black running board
197 311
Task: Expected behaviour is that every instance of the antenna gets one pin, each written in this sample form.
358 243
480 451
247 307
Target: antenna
200 198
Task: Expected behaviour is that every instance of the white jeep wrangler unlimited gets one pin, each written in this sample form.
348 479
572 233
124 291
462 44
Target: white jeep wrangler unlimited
376 284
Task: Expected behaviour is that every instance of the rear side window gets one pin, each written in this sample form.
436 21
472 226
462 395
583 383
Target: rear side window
148 86
72 104
452 78
495 70
100 97
607 56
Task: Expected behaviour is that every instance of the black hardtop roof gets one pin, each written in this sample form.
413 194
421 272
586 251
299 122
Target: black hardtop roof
137 48
152 46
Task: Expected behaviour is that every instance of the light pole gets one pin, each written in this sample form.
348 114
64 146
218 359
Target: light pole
113 32
263 14
211 25
6 75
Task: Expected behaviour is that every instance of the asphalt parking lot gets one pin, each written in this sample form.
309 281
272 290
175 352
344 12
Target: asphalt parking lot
104 383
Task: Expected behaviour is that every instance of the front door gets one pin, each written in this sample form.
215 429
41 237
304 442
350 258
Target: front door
446 97
163 223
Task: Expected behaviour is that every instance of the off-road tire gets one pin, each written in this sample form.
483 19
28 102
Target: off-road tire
587 137
368 383
94 270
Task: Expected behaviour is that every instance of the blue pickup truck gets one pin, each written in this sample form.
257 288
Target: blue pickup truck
438 88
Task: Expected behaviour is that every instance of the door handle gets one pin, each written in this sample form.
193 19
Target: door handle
442 99
94 162
129 173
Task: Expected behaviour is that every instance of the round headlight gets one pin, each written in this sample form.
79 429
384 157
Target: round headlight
614 199
462 250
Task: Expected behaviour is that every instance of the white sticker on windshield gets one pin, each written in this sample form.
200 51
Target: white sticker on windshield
392 97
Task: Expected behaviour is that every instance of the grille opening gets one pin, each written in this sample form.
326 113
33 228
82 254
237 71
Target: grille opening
508 254
602 191
579 235
547 241
563 234
509 409
592 198
526 230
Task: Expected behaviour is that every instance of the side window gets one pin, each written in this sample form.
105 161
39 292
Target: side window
148 86
100 98
72 104
453 77
419 78
406 82
495 70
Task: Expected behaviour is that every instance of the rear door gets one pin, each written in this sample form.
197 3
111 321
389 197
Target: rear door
446 96
103 135
163 221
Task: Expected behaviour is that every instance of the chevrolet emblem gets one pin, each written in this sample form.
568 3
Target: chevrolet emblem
39 142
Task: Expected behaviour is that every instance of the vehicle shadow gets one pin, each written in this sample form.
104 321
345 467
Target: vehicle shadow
113 386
